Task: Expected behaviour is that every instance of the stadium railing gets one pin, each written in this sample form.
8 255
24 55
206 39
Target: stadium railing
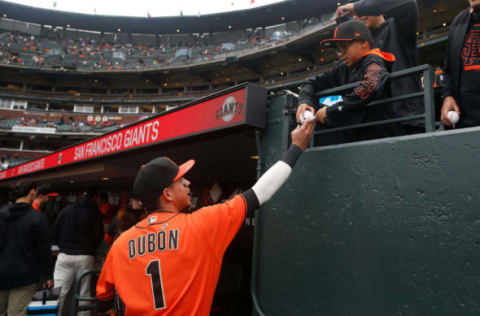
77 298
428 97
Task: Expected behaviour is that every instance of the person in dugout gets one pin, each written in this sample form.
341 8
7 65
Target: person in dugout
44 192
78 231
25 256
105 208
461 91
169 263
129 213
360 63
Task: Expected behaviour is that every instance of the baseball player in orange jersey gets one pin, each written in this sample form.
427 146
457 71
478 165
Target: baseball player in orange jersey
169 263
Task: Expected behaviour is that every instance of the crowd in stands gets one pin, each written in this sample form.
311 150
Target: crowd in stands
102 54
62 125
8 161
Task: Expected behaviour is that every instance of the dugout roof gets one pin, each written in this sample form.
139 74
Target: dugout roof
217 131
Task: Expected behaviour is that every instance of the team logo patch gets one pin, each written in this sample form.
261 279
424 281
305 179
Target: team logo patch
152 219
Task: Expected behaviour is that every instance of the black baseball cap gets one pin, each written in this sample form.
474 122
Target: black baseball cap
347 32
46 189
156 175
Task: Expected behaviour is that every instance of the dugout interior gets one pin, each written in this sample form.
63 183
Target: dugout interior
226 157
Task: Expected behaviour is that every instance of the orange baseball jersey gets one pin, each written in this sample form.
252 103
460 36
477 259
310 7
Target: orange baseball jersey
169 263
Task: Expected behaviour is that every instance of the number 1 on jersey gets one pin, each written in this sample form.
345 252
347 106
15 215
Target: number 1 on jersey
153 270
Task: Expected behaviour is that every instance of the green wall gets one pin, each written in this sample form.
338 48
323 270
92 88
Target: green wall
388 227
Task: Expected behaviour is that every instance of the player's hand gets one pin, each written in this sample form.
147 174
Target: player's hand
48 284
302 108
302 134
449 104
321 115
347 9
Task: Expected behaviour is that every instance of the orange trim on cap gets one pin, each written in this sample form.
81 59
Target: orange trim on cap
184 168
335 33
386 56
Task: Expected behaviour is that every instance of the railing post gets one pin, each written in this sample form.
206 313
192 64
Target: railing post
429 99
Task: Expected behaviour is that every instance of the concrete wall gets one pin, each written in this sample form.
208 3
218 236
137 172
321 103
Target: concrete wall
387 227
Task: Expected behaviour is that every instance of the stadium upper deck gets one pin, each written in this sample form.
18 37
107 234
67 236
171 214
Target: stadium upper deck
143 74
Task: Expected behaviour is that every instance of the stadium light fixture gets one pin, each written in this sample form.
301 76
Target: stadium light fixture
283 18
4 15
178 30
119 30
229 27
299 60
105 179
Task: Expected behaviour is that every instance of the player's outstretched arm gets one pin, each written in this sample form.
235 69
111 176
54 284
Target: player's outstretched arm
275 177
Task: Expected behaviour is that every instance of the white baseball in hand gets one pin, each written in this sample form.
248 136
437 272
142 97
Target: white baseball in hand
453 117
306 116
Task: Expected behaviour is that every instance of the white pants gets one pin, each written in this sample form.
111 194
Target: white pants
66 269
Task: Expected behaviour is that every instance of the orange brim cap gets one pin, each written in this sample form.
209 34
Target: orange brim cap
53 194
184 168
